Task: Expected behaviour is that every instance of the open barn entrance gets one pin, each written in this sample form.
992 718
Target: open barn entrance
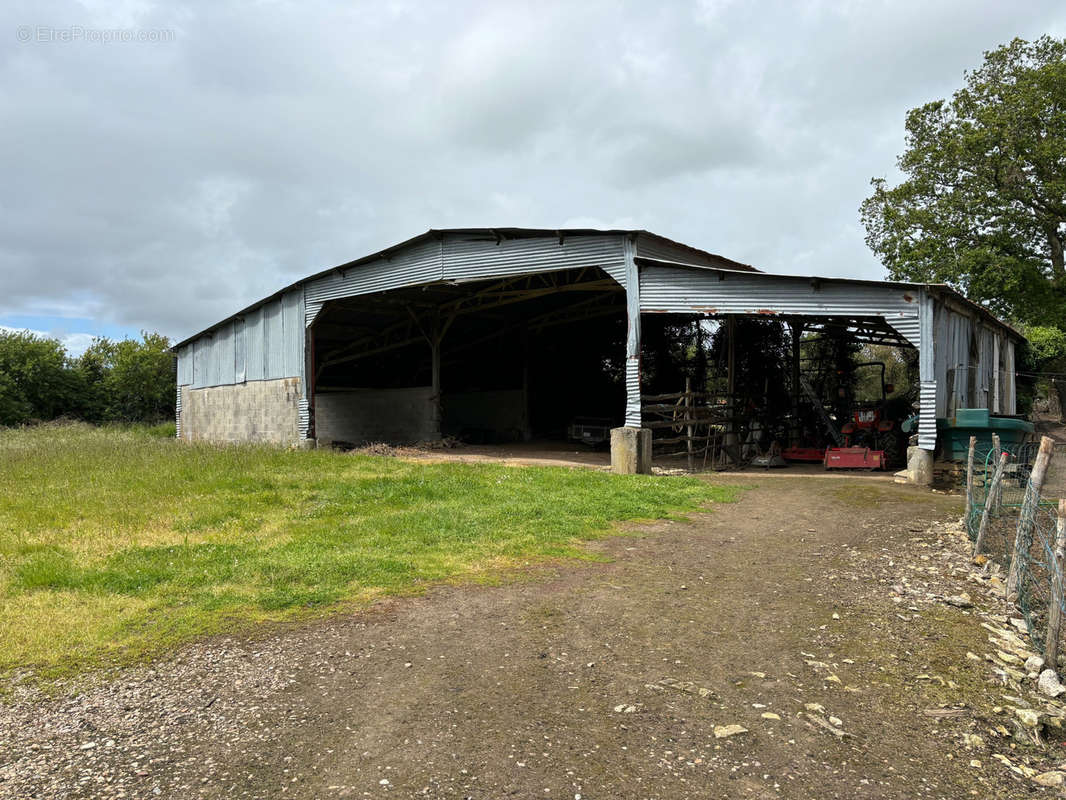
490 361
736 391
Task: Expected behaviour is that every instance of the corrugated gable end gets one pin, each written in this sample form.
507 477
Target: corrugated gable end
478 256
419 262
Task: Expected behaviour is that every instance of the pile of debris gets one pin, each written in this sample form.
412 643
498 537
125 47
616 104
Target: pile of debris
404 451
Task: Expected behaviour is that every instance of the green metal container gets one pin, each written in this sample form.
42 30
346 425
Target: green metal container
955 432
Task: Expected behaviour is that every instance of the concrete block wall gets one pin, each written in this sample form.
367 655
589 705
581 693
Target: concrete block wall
398 416
256 411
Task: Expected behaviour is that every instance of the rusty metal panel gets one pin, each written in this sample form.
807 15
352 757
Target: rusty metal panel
475 256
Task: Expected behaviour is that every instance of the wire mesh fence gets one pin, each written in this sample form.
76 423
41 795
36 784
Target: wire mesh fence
1014 514
1037 573
1016 472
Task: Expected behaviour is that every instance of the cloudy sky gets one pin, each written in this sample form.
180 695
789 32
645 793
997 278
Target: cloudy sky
225 149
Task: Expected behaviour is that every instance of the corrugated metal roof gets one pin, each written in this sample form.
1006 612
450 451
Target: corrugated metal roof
425 272
942 290
654 244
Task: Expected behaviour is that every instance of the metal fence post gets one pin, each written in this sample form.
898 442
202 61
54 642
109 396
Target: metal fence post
990 494
969 478
1023 538
1054 617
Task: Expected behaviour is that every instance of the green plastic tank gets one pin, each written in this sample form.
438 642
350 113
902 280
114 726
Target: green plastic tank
955 432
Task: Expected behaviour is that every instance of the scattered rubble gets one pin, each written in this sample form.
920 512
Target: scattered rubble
725 731
1048 683
1053 778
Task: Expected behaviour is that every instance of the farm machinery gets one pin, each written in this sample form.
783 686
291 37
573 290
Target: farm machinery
870 438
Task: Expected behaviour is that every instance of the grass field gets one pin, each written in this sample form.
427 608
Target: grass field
116 544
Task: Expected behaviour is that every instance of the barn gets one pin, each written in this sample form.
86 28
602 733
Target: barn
500 333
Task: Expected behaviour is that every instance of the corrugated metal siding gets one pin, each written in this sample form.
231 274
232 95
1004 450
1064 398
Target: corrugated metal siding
240 352
185 364
928 390
467 257
970 364
419 263
680 290
652 246
304 411
994 371
927 421
910 312
267 344
1009 389
475 257
254 346
224 348
177 413
294 332
986 367
634 402
910 328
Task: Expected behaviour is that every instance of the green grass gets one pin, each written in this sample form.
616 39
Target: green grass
117 544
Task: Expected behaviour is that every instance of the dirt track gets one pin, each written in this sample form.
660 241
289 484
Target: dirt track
579 680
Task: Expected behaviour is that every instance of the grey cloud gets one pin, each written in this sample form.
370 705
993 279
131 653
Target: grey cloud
164 185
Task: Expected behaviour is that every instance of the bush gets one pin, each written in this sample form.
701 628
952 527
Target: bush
126 381
36 381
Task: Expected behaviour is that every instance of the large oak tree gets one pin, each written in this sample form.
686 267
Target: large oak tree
983 202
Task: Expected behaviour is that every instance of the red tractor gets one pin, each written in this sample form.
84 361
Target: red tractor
871 439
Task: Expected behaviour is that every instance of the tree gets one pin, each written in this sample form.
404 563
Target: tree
141 385
128 381
35 379
983 202
1047 351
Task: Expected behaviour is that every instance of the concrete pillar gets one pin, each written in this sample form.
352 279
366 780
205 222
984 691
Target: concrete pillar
919 469
631 451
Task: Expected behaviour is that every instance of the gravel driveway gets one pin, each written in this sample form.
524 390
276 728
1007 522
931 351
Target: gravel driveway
761 650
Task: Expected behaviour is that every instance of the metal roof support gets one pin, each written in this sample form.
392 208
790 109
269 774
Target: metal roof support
633 406
926 373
